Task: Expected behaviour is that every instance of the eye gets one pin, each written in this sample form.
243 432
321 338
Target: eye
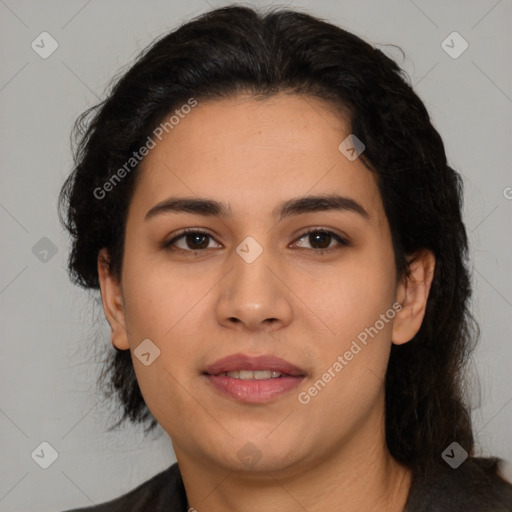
322 239
194 240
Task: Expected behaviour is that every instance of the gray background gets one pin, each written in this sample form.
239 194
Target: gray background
48 360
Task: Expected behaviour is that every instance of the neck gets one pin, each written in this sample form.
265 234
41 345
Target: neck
360 474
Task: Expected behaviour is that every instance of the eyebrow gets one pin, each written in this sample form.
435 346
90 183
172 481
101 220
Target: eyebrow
210 207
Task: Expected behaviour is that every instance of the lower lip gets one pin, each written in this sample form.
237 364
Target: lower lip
253 391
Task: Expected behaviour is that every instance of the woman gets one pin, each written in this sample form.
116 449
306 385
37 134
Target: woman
277 237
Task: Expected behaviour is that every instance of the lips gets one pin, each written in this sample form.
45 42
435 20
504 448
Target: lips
253 380
237 362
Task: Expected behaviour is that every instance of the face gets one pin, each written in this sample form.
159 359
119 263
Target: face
301 292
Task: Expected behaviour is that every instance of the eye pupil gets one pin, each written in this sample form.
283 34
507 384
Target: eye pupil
320 238
196 240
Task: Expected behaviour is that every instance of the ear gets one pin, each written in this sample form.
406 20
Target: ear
412 294
112 298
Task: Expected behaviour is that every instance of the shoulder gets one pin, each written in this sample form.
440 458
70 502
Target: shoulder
162 492
475 486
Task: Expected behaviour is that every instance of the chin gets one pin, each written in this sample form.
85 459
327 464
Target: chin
270 463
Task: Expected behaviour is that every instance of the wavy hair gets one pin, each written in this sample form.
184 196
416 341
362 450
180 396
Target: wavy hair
236 49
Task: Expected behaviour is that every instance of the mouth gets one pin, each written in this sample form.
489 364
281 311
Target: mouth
252 379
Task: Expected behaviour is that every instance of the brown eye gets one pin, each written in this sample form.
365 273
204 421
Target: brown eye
189 241
197 240
320 240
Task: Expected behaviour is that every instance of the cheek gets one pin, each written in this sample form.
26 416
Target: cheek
354 296
352 360
164 308
159 298
159 306
356 302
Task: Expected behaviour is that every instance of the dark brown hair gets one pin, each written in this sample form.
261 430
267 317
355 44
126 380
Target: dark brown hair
237 49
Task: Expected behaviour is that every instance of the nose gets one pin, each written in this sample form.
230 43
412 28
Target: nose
253 296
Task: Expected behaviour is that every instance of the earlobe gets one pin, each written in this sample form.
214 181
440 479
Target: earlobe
112 298
412 294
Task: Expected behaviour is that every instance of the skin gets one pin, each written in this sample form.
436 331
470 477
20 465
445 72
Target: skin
291 302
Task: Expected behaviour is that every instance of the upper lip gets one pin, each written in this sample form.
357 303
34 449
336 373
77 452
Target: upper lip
252 363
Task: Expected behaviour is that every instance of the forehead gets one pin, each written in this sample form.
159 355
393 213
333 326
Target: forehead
254 154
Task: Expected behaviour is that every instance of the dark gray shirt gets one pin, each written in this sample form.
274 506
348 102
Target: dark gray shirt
472 487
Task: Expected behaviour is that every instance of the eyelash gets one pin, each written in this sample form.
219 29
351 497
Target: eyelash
342 241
